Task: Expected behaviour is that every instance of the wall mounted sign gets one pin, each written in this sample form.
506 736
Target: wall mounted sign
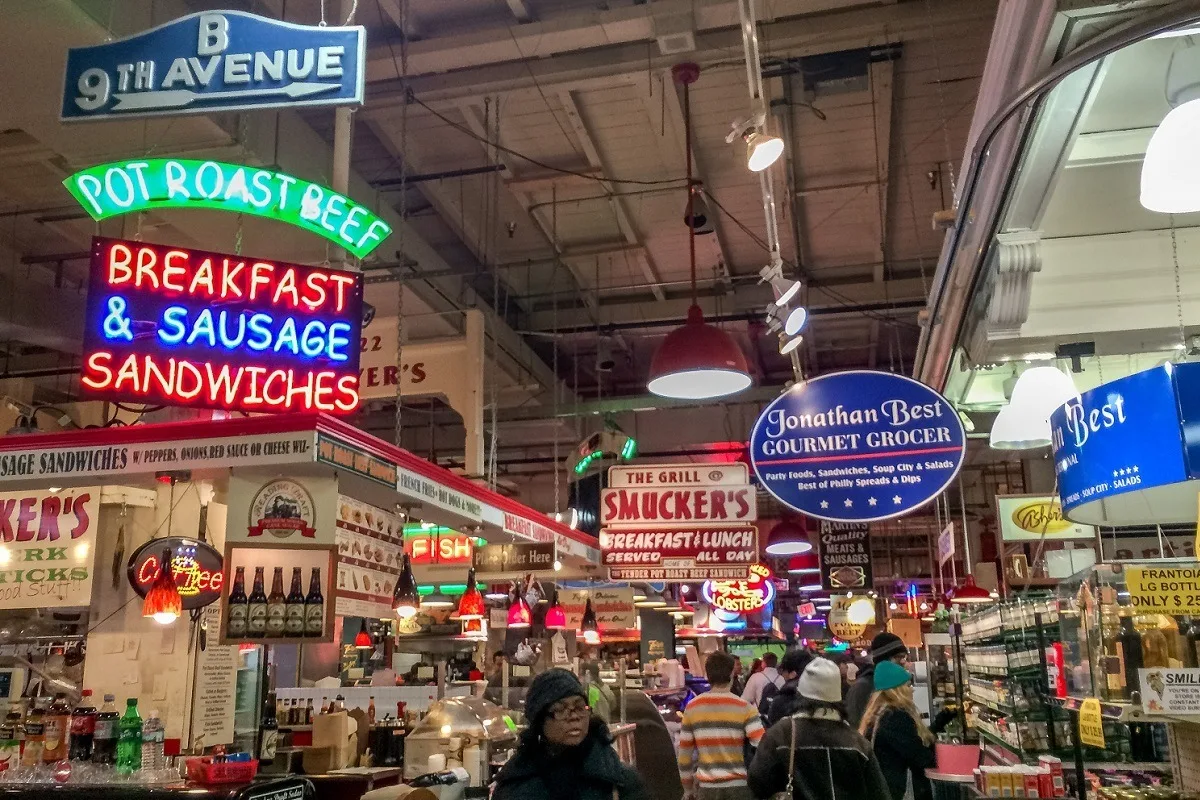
281 512
215 61
414 486
845 549
515 557
197 567
1091 723
1031 517
613 606
48 542
194 328
439 548
534 531
849 617
1164 590
1170 691
124 187
742 597
684 550
370 552
346 457
679 475
857 446
283 509
672 506
1130 443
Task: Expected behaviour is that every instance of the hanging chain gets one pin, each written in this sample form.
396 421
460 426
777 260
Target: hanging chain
322 22
941 91
401 235
1183 345
554 346
237 239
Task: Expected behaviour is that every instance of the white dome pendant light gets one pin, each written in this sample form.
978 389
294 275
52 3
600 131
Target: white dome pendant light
1024 423
1171 169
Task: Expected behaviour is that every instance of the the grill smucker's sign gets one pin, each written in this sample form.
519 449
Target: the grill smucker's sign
214 330
197 567
858 446
47 547
149 184
215 61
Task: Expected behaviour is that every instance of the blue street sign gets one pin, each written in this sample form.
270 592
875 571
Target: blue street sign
857 446
1123 437
215 61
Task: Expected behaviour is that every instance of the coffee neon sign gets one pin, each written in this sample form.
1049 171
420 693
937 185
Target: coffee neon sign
214 330
744 596
197 567
148 184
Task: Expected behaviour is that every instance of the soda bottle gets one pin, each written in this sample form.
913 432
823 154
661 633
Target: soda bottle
104 742
57 730
235 627
371 711
10 738
83 728
129 739
153 735
35 734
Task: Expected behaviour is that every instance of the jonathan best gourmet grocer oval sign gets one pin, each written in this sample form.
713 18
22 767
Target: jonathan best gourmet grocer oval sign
857 446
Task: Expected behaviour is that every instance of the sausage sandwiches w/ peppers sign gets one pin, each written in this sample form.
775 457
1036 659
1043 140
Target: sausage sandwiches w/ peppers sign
857 446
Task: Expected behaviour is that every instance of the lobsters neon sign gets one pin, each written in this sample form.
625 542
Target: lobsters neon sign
744 596
196 328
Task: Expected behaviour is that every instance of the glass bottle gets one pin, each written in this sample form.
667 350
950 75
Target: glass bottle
1191 636
153 737
11 731
268 732
276 606
308 713
57 730
83 728
294 623
129 739
314 606
35 734
371 711
235 626
1129 646
1155 652
256 616
104 743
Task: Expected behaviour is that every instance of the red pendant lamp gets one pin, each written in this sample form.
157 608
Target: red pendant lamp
471 605
696 361
556 615
968 592
163 603
362 640
804 564
789 537
520 615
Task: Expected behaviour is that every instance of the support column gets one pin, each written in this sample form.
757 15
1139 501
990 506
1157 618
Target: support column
472 407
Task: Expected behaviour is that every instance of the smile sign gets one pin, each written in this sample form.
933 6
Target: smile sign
148 184
215 61
212 330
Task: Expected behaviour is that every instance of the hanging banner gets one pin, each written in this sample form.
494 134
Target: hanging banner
845 549
614 607
197 567
946 544
281 513
679 551
213 330
215 61
857 446
679 475
47 547
670 506
1031 517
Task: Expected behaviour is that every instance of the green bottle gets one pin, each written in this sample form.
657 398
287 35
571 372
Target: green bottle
129 740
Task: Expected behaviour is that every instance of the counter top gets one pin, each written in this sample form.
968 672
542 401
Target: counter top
287 788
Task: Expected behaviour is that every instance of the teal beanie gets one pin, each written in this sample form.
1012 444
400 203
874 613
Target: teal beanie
889 675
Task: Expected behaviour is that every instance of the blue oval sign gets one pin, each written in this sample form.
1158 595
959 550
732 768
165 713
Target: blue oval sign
857 446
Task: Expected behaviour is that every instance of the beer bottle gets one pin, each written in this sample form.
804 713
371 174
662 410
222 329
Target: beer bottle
276 606
268 729
256 616
314 606
235 625
294 624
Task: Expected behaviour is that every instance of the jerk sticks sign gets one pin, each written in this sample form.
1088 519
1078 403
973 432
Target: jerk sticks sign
192 328
47 547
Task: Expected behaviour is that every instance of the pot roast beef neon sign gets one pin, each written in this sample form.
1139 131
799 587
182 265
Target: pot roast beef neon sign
124 187
194 328
742 597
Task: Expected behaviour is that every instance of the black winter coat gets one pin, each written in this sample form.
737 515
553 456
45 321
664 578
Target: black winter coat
593 773
858 695
783 704
832 762
900 751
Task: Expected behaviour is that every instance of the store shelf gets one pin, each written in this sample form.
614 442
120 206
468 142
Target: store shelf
1020 673
1163 767
997 748
1125 712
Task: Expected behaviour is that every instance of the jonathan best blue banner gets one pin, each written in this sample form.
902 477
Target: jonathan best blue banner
857 446
215 61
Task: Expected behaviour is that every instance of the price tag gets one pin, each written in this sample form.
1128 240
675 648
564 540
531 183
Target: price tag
1091 724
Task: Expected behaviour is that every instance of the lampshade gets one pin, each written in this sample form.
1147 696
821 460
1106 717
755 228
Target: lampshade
437 600
968 592
762 150
362 639
639 594
1171 169
496 591
471 605
520 615
804 564
163 603
556 616
787 538
589 626
405 599
1025 422
697 361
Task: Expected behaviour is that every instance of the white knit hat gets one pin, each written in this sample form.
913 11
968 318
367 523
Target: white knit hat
821 680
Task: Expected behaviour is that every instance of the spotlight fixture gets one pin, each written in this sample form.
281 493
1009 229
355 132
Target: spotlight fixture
405 599
788 345
784 288
795 320
762 149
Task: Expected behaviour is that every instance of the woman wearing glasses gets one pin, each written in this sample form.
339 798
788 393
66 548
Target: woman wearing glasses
565 753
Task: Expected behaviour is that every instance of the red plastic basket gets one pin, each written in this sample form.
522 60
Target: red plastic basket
205 770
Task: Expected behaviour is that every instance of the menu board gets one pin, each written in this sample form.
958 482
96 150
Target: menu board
370 555
216 686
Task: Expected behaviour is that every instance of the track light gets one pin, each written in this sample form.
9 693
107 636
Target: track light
785 288
795 320
788 345
762 149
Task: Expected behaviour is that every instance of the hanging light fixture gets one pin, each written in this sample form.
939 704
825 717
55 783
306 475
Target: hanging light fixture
556 615
696 361
783 288
589 626
639 594
470 605
496 591
438 599
1025 422
804 564
651 600
697 216
762 150
968 592
787 538
362 639
163 603
1170 181
405 599
520 615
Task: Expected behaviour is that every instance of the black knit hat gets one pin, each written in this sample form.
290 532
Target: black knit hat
886 645
546 690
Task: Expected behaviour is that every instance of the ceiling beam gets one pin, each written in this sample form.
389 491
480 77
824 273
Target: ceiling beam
624 221
520 10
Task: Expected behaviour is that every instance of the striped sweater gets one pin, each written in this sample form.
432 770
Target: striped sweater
715 728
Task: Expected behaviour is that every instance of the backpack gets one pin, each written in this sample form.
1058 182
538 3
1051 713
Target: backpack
768 694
